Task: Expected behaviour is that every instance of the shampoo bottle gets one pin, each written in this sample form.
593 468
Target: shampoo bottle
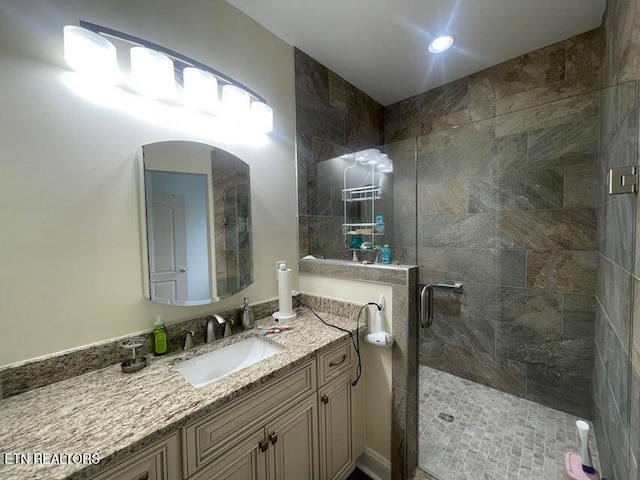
386 254
160 344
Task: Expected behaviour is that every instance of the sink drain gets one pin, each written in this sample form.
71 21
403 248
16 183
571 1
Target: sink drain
447 417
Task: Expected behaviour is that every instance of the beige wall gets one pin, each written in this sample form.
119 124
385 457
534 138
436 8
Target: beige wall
376 361
71 263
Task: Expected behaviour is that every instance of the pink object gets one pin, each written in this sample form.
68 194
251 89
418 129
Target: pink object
573 468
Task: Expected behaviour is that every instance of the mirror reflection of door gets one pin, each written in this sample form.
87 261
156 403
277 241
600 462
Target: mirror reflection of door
167 248
178 230
216 191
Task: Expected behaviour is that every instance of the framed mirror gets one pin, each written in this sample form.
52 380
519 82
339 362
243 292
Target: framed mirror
195 210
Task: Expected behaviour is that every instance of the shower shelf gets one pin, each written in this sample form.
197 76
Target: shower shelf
352 229
362 194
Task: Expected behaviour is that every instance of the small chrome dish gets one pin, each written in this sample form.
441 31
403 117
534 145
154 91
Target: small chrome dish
133 364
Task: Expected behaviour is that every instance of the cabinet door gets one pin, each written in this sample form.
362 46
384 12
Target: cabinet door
159 462
247 461
293 449
207 439
336 448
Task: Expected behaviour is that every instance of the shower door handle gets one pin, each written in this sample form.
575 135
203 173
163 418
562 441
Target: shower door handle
426 301
426 306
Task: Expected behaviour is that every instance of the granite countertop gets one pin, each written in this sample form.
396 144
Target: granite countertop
114 414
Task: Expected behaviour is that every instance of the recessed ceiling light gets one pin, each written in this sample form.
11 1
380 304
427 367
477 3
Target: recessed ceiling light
441 44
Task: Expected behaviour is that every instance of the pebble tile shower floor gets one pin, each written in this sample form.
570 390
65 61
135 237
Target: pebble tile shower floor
493 436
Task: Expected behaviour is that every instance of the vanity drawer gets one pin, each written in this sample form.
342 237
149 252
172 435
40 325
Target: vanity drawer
159 462
209 438
335 362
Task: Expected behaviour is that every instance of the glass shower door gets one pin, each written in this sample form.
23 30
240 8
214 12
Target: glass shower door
507 207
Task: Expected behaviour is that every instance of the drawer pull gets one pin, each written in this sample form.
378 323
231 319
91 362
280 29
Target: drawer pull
263 444
144 476
339 362
325 399
273 437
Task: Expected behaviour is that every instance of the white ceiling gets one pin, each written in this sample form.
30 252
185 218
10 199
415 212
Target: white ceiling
381 45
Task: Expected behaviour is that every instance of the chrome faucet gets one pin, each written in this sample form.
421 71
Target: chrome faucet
188 340
211 336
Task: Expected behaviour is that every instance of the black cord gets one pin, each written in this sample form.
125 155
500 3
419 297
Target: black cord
355 342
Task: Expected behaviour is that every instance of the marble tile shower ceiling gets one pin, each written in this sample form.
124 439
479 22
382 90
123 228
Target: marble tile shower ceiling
493 435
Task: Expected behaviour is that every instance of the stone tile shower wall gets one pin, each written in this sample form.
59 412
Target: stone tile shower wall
551 73
506 201
616 388
507 206
540 329
332 118
614 306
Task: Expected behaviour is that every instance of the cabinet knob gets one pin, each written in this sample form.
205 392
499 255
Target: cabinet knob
273 437
263 444
144 476
183 269
325 399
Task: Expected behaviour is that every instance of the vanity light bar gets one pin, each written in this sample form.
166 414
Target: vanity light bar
372 157
160 73
90 54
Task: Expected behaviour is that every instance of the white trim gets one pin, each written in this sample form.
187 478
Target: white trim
374 465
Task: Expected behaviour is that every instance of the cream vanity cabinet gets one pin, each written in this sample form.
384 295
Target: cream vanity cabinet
158 462
284 448
297 427
270 433
336 412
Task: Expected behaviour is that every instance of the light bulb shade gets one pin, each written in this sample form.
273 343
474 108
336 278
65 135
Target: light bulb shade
152 73
386 167
235 103
261 117
200 89
369 156
87 52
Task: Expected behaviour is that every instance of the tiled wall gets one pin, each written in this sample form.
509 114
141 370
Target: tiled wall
507 206
506 196
615 282
616 377
551 73
332 118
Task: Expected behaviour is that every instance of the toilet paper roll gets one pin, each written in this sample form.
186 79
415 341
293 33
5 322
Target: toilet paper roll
284 291
284 294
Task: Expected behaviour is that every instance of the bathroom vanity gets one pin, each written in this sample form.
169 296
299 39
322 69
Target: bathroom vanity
292 416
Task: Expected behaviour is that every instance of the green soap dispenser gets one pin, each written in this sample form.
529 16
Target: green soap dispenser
160 343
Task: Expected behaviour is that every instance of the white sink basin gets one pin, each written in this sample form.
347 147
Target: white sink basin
204 369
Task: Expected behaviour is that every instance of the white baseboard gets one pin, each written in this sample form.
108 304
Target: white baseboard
374 465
